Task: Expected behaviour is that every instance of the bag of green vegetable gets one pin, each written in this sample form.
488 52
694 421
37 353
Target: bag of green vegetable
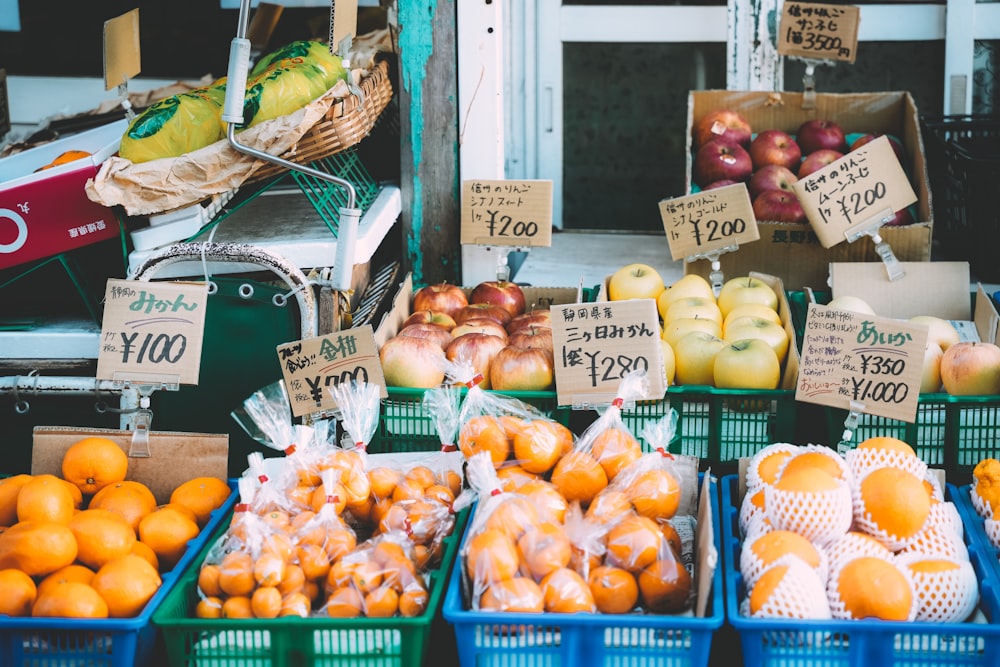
175 125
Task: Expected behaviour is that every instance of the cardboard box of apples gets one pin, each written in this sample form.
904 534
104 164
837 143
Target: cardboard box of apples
768 139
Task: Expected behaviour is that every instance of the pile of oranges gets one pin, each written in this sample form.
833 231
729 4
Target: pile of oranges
346 535
865 535
89 543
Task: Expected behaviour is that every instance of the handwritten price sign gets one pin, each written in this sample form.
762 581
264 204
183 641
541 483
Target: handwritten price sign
711 220
152 329
510 213
824 32
311 367
848 357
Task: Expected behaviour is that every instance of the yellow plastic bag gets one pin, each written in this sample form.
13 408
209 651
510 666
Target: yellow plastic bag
315 53
282 89
175 125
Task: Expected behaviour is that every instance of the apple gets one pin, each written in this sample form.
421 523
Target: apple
504 293
758 327
939 330
481 325
971 369
900 218
477 348
855 304
930 377
775 147
719 160
817 160
778 206
635 281
669 363
897 145
676 329
484 310
532 318
440 297
771 177
746 289
522 369
750 310
694 358
436 317
692 306
820 133
408 361
725 124
749 363
532 336
721 183
432 331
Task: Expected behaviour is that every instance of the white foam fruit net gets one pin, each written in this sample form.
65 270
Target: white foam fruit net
852 545
816 515
863 461
864 522
752 566
751 509
937 541
946 596
838 608
754 480
992 527
800 594
983 508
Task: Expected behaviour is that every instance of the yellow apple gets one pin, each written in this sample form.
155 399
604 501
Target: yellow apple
635 281
746 289
694 358
675 329
692 306
749 363
971 369
855 304
757 327
669 363
753 309
930 377
939 330
690 284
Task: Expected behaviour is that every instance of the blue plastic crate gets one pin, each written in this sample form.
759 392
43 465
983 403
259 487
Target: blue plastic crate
119 642
975 525
862 643
487 639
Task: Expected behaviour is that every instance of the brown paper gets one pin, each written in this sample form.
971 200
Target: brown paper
176 457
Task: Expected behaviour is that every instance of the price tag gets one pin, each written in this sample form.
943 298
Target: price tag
311 366
597 344
854 192
152 331
708 221
121 49
875 362
812 30
508 213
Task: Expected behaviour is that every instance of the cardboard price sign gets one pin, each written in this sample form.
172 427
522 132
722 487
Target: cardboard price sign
597 344
854 192
825 32
152 331
508 213
708 221
122 59
874 363
311 366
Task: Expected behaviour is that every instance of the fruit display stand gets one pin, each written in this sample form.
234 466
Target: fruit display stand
853 643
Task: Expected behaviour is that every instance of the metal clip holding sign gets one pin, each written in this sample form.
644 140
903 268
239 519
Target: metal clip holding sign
809 81
125 102
143 415
715 277
850 426
503 268
870 227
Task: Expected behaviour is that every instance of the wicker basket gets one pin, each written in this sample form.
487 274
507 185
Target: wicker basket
346 123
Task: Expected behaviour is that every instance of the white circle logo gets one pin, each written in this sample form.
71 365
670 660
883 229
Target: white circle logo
22 231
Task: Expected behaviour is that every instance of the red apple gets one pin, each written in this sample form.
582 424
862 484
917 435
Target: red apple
441 297
408 361
540 317
532 336
503 293
479 349
771 177
820 133
971 369
897 145
725 124
817 160
900 218
438 334
435 317
719 160
720 184
489 310
775 147
778 206
484 325
522 369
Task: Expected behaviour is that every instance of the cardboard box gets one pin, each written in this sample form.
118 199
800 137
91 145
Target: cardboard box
791 251
44 213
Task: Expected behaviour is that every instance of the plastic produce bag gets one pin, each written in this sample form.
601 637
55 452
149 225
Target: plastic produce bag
175 125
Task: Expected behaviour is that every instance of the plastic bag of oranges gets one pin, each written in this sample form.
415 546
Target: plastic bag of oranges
358 405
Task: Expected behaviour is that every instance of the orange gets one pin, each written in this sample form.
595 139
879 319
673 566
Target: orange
383 602
280 544
365 575
440 493
807 479
491 555
265 602
484 433
551 504
413 602
407 490
300 495
420 475
672 536
236 573
310 589
887 443
579 477
278 519
339 543
634 543
519 595
338 497
512 476
361 510
615 449
70 599
295 604
513 516
825 462
615 590
665 586
133 500
344 602
237 606
101 536
765 586
383 481
208 580
655 493
210 607
167 532
294 580
37 547
895 501
126 584
10 487
68 156
564 591
269 569
313 560
544 548
770 463
45 498
143 551
454 481
201 495
512 425
19 592
770 546
538 445
609 506
871 587
94 462
74 572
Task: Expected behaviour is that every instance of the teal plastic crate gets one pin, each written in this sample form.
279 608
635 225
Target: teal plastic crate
119 642
858 643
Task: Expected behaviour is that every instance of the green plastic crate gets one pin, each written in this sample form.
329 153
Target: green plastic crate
295 641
